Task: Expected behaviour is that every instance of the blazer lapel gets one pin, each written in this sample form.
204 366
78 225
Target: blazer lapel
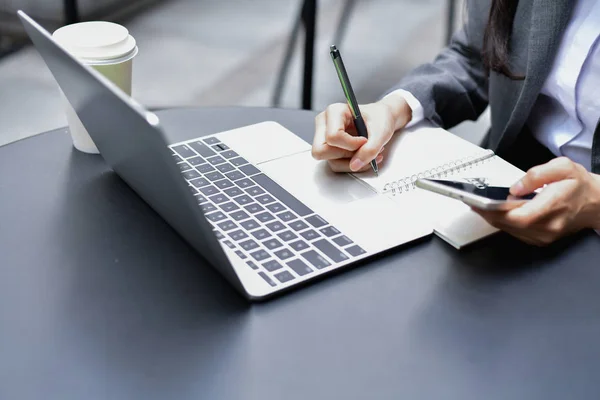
549 18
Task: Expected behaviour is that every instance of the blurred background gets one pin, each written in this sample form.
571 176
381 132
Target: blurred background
228 52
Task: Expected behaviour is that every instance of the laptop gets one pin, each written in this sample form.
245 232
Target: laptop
252 201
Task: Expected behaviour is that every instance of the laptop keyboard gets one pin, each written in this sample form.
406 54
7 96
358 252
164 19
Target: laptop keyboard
277 235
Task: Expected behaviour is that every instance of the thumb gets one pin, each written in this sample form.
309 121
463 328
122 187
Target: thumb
553 171
367 152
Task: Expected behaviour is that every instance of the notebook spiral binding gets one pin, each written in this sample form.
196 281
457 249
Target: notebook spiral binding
441 171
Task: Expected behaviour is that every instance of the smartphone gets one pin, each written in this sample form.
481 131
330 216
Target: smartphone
478 195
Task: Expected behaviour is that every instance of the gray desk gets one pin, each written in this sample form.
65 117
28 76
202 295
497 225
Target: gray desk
100 299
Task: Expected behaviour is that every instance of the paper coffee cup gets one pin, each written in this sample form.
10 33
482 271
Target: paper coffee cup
108 48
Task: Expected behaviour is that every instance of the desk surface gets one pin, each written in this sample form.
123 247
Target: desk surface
100 299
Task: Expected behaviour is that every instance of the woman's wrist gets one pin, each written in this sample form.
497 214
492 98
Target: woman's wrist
596 201
399 108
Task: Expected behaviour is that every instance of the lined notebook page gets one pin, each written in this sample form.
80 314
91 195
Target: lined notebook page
417 150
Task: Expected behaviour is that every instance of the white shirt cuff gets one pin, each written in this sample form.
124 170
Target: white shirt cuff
414 104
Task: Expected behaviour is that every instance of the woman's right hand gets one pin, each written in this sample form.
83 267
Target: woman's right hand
336 140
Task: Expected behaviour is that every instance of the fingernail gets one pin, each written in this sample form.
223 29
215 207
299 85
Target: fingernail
356 165
517 188
381 151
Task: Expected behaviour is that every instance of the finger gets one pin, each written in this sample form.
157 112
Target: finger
541 206
343 165
320 149
368 151
555 170
338 120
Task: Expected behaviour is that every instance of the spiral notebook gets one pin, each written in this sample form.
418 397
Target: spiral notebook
424 151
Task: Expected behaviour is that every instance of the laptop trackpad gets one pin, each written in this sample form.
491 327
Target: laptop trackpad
313 182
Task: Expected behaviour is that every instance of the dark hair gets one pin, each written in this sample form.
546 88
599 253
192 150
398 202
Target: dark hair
496 38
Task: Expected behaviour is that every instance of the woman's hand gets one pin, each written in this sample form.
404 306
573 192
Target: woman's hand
570 202
337 142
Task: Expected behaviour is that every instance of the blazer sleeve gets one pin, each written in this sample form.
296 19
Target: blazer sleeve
454 87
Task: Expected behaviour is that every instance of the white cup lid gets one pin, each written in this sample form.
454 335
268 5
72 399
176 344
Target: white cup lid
96 40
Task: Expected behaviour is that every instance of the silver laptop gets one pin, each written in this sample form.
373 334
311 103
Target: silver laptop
252 201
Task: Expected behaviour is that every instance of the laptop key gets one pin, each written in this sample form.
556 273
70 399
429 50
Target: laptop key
229 244
220 147
284 276
272 244
214 176
252 265
249 169
254 208
229 207
255 191
216 160
249 245
239 215
299 267
202 149
211 140
276 226
218 198
261 234
227 225
238 161
342 241
223 184
233 192
205 168
286 216
330 250
315 259
260 255
299 245
244 183
184 166
265 199
316 221
238 235
199 182
264 217
208 207
200 199
272 265
282 195
355 251
177 158
250 224
284 254
287 235
310 234
241 255
225 167
330 231
216 216
196 161
191 174
184 151
275 207
229 154
235 175
219 235
266 278
242 200
298 225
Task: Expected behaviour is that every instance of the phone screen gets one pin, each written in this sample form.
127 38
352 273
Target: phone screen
489 192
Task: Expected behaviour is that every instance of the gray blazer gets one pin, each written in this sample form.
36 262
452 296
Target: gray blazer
454 87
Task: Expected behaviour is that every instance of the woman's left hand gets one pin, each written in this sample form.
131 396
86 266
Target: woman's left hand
570 202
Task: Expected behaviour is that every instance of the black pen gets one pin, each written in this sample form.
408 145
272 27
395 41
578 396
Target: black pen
359 123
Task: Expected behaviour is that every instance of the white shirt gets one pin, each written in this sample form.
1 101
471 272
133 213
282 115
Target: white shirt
566 113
